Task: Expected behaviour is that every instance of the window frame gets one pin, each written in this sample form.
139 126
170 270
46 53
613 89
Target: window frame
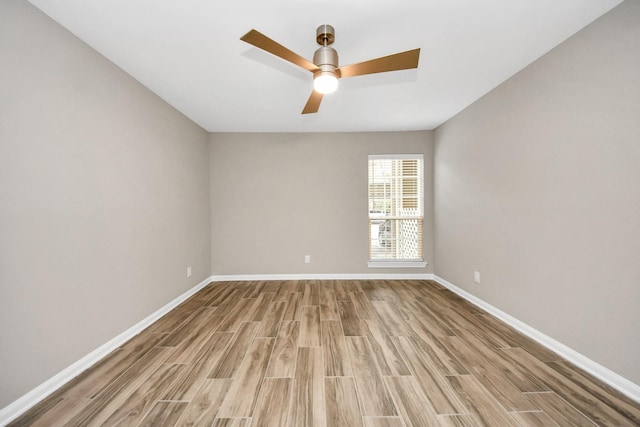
396 262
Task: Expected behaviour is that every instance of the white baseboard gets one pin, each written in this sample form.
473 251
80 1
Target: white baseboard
365 276
606 375
18 407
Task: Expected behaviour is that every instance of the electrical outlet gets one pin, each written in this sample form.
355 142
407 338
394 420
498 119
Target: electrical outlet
307 259
189 271
476 277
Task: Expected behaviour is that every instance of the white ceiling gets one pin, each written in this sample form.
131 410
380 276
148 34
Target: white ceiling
189 53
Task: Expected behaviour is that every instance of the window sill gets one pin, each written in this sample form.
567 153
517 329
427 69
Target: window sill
397 264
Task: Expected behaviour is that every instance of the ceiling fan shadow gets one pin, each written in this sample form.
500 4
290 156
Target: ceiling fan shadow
276 63
380 79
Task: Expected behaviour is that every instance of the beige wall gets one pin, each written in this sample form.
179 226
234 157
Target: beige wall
278 197
103 200
537 187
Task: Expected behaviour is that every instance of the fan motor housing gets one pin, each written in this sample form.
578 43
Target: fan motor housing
325 56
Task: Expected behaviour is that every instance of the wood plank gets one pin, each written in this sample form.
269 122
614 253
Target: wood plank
187 328
283 291
502 363
372 289
132 409
273 404
534 419
336 356
223 293
243 394
391 318
204 294
559 409
374 396
445 362
56 411
294 307
310 327
195 374
449 317
193 302
363 306
271 321
604 393
404 290
484 330
433 382
383 422
232 422
424 319
144 341
352 286
122 387
480 402
328 304
236 315
228 302
414 407
455 301
163 414
230 360
473 324
517 339
95 379
310 294
187 350
467 420
387 356
342 402
283 358
271 286
260 306
384 290
170 321
340 291
203 408
308 402
350 321
257 288
578 395
496 383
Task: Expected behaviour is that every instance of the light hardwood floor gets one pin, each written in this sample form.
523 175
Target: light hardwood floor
332 353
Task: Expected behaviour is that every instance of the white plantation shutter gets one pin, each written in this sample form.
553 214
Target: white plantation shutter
396 207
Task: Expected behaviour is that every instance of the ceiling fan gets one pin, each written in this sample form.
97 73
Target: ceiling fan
324 67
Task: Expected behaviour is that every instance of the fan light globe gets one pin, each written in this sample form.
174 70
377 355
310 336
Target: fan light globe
325 82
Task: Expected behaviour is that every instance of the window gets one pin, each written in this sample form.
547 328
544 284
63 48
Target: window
396 210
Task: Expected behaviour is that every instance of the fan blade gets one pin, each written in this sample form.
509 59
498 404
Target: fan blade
263 42
313 104
397 61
